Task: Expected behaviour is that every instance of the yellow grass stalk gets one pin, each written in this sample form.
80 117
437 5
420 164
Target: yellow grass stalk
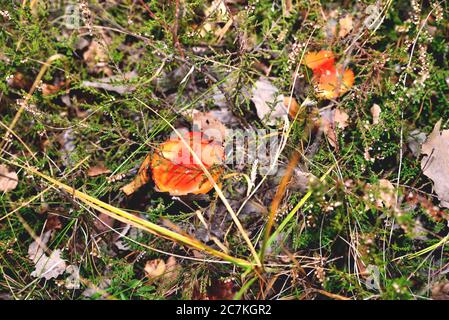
138 222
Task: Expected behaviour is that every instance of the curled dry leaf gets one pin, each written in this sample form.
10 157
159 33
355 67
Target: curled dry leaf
328 127
154 269
47 267
346 25
435 162
330 119
8 179
440 291
341 118
164 272
97 170
375 112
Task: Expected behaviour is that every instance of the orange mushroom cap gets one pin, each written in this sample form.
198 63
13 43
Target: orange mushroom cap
331 80
176 171
334 82
318 61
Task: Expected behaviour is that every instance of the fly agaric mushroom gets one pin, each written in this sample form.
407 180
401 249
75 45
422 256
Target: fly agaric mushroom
319 60
175 170
331 80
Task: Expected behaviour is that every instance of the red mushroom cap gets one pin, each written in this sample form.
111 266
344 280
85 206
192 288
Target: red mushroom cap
175 170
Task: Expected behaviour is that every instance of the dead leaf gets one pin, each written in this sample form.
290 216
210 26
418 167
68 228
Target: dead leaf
103 223
268 101
47 267
97 170
328 127
49 89
292 106
53 223
210 126
19 81
375 112
8 179
440 291
435 162
346 25
341 118
154 269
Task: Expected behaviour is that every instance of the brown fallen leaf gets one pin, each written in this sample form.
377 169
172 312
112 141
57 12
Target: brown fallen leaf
8 179
163 272
103 223
154 269
341 118
97 170
19 81
53 223
328 127
441 291
435 162
292 106
206 123
346 25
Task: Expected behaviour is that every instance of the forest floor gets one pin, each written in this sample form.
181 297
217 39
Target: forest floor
349 203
